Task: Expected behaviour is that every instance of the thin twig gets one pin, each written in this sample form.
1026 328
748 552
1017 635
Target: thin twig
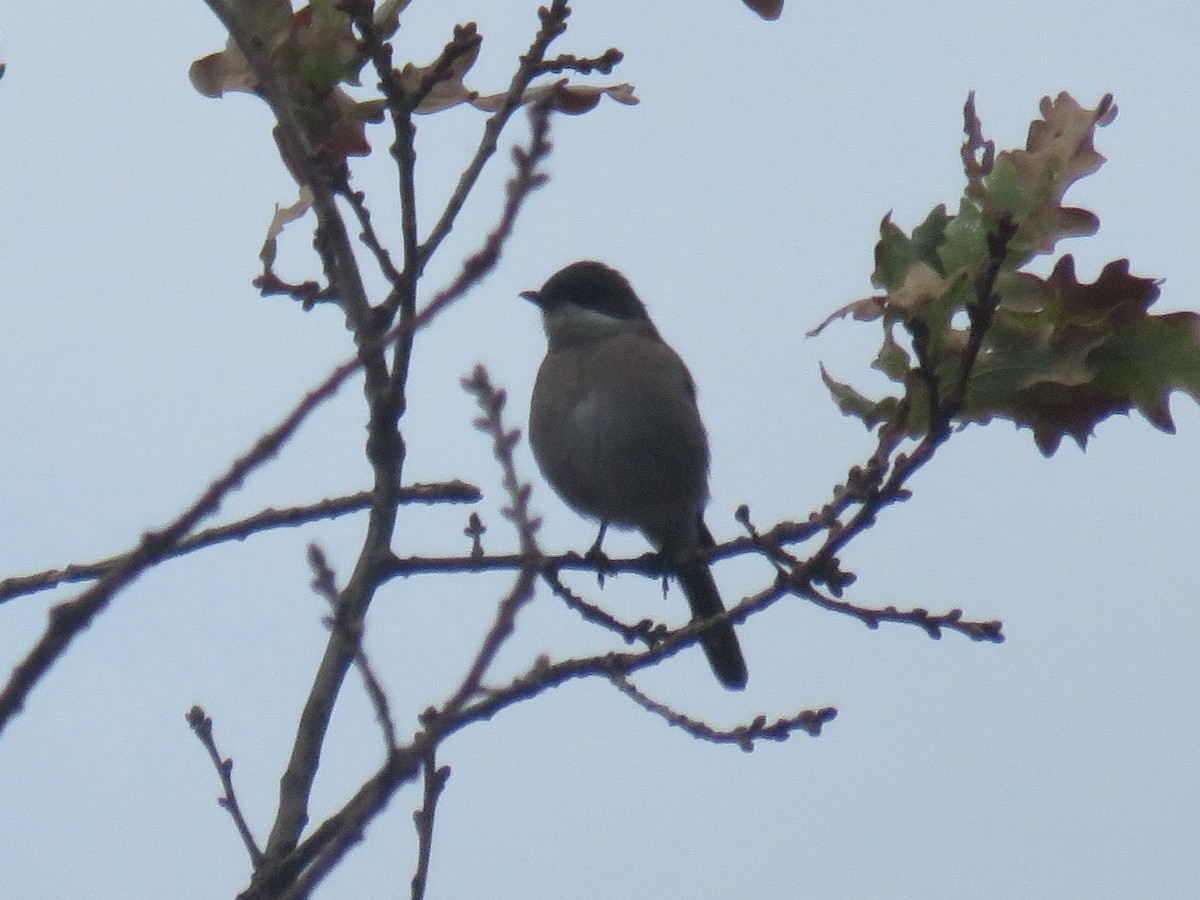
312 859
307 293
357 201
304 867
553 24
981 312
297 875
569 62
644 631
325 584
201 724
809 721
932 624
492 401
423 818
879 491
68 619
385 448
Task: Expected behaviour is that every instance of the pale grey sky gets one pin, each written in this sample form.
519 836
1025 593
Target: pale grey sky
742 198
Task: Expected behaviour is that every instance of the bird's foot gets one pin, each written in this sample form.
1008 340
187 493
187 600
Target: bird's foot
596 555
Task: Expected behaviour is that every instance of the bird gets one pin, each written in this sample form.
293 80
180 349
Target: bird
615 430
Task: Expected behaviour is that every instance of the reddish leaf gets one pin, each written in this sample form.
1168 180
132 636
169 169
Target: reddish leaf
1116 295
768 9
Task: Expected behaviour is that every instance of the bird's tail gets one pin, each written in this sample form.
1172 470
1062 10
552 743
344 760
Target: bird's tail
720 644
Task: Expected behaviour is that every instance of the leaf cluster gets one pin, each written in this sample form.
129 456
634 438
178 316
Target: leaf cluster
981 337
314 54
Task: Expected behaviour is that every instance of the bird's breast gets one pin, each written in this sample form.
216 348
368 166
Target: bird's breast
616 432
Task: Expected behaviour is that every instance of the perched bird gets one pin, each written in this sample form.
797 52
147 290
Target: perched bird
615 429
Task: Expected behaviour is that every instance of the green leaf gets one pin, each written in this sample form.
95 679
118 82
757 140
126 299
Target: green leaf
929 235
1003 191
852 403
1149 360
322 51
267 20
1076 353
893 360
896 252
964 241
1052 354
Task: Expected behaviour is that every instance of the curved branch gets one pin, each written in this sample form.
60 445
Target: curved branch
810 721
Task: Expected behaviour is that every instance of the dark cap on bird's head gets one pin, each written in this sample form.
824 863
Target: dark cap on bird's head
592 286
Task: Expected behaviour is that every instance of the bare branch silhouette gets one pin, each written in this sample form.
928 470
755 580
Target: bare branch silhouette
201 724
267 519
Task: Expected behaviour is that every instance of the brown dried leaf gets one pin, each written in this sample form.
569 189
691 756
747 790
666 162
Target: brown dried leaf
1086 352
1115 297
865 310
768 9
572 99
387 16
217 73
449 90
1058 152
921 286
268 21
284 216
346 134
1053 412
978 154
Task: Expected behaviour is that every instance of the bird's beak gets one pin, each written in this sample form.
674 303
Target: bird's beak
533 297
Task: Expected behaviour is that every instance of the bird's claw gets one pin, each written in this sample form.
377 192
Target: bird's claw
596 555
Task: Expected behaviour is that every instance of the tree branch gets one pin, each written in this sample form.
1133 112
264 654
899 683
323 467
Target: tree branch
296 783
70 618
423 818
201 724
553 24
809 721
267 519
